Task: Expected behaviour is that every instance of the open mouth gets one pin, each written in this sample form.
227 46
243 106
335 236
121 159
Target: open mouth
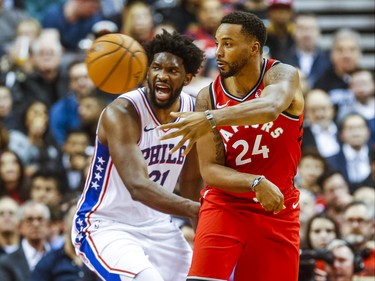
163 92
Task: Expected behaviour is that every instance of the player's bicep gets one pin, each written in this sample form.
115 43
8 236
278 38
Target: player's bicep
120 130
281 85
202 102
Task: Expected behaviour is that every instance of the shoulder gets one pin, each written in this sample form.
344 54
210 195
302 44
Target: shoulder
119 118
9 259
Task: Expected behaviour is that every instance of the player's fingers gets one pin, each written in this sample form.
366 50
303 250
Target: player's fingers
279 208
169 126
187 150
178 145
178 114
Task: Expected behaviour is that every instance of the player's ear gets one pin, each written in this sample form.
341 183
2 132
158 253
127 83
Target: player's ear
188 78
255 48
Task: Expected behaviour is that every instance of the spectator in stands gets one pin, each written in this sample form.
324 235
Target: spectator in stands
320 130
4 138
370 181
257 7
64 115
358 228
321 230
344 265
73 19
362 84
47 82
90 108
138 21
45 187
336 194
7 118
181 15
345 57
308 210
9 223
18 56
12 176
306 54
34 220
365 194
353 158
75 154
36 8
34 142
209 15
63 264
9 18
311 166
280 28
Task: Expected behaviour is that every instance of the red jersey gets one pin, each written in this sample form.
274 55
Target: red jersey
272 149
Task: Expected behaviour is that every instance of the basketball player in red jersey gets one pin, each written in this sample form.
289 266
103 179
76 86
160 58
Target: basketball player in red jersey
248 153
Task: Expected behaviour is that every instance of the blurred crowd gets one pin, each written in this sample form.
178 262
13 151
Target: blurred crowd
49 110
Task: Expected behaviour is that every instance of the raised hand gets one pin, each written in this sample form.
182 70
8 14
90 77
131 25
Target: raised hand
192 126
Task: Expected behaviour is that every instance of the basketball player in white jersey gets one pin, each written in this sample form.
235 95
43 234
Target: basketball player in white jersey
123 229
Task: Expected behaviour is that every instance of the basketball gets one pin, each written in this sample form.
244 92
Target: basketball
116 63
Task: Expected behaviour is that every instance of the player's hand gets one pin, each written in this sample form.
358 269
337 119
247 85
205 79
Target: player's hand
192 126
269 196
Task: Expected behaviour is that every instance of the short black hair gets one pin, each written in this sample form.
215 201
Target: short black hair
48 173
252 25
178 45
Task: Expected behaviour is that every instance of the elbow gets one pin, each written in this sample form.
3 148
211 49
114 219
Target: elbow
207 176
136 191
274 110
272 115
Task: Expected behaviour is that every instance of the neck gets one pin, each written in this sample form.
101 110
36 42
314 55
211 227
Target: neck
9 238
37 244
242 82
163 114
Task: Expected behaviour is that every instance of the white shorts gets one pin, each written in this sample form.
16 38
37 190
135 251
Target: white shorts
112 250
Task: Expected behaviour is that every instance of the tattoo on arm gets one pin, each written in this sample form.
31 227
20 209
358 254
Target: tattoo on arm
201 105
219 147
280 73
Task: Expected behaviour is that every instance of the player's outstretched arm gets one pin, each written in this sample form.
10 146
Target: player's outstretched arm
281 93
120 131
211 154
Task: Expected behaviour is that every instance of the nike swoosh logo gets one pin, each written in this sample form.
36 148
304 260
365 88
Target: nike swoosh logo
222 105
294 205
148 129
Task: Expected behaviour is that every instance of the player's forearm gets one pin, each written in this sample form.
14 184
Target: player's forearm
247 113
156 197
228 179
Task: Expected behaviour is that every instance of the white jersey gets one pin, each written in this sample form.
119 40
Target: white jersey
105 197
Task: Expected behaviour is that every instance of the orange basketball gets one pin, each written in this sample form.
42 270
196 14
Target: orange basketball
116 63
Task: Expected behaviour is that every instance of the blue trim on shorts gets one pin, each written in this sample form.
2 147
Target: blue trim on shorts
100 269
